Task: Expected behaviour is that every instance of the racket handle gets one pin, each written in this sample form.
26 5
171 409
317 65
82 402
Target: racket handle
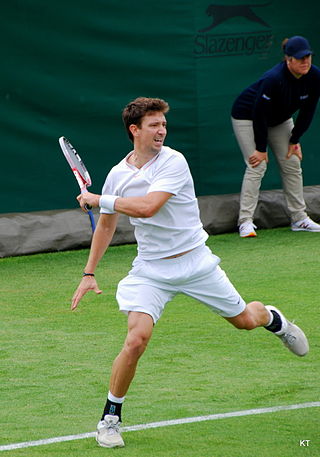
88 208
93 224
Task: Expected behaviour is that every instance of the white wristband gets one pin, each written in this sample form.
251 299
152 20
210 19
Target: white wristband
107 202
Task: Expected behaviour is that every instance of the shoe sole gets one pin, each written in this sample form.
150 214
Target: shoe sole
250 235
118 442
109 446
304 230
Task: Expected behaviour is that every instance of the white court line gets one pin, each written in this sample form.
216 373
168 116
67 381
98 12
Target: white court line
186 420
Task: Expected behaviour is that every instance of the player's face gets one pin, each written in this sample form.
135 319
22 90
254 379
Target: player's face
152 132
299 67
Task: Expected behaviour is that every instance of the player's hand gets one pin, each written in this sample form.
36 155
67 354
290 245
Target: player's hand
87 283
257 157
294 149
87 198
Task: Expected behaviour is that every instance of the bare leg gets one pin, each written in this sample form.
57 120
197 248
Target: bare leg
140 326
255 315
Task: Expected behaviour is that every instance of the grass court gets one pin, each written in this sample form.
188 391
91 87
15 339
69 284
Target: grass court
55 363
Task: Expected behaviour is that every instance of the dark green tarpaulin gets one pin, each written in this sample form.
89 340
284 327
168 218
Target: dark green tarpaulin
69 67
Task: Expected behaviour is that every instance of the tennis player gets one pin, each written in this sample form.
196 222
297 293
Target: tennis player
154 187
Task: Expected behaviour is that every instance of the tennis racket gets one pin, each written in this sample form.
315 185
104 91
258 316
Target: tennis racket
79 171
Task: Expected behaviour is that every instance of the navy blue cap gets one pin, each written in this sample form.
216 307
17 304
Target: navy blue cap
297 47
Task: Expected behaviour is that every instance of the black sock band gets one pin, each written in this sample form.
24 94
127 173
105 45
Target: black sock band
276 324
112 408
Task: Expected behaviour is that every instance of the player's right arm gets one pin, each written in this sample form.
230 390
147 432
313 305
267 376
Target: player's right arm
101 239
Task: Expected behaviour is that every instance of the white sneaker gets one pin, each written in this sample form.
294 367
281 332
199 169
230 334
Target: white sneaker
108 432
291 335
307 225
246 229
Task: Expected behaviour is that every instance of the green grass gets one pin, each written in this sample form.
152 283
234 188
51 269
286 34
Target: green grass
55 363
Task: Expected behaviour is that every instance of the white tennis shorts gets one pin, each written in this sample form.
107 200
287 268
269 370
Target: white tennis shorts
151 284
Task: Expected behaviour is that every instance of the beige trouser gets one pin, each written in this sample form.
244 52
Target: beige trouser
290 170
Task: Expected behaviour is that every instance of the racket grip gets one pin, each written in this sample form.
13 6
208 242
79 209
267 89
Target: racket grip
93 225
86 206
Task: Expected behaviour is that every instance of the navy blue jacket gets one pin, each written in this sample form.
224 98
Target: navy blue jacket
274 98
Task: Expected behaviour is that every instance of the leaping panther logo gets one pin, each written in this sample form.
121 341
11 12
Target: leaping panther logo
221 13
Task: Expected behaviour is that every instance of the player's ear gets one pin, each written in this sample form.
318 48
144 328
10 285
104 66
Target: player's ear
134 129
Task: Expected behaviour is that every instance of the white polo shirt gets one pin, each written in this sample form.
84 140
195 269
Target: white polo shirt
176 227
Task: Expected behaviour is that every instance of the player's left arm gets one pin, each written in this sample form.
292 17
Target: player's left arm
168 181
145 206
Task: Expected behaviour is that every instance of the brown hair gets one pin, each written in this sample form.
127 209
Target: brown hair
140 107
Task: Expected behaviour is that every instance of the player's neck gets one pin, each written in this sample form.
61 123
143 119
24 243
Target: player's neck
139 158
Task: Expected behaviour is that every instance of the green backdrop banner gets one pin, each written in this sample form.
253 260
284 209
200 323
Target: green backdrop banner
69 67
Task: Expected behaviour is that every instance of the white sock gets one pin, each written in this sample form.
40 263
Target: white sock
114 399
270 318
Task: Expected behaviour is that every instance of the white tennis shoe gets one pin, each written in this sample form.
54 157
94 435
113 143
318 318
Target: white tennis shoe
247 229
291 335
306 225
108 432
